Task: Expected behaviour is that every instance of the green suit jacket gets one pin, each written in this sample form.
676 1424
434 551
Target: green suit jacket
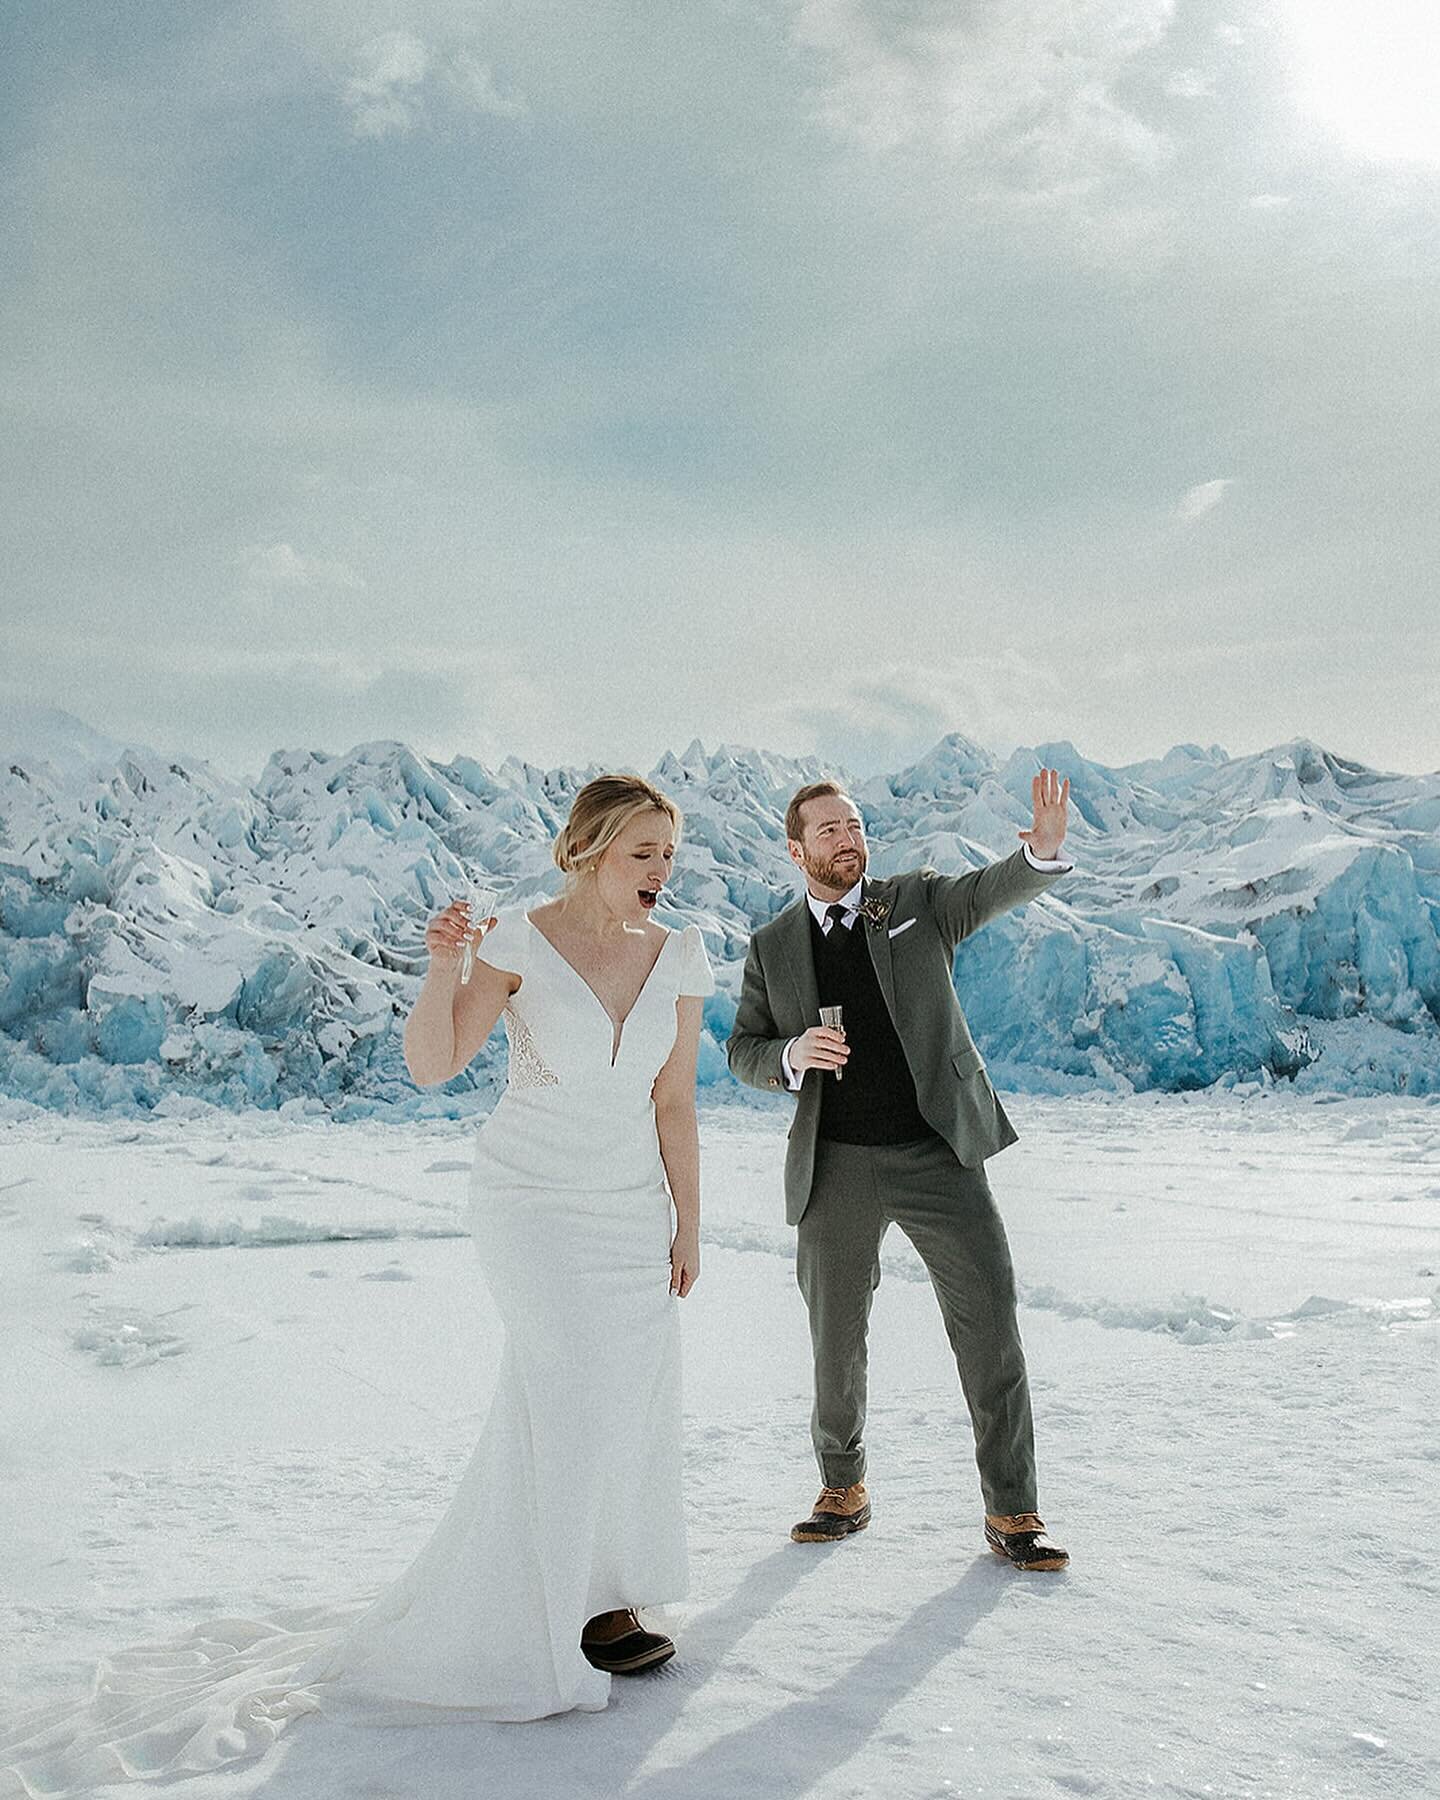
914 963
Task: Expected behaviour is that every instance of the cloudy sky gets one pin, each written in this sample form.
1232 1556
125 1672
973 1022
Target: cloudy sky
578 379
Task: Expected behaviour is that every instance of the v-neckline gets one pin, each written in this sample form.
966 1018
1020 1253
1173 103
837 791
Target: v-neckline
617 1024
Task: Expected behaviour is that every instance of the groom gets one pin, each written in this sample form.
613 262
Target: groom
894 1121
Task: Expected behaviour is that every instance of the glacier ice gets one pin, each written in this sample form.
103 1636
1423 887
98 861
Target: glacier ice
171 937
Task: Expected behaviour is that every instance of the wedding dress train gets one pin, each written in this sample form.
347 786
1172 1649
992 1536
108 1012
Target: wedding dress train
571 1503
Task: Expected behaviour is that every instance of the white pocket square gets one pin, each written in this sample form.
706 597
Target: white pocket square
899 928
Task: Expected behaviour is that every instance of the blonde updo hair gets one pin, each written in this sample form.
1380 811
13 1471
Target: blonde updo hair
598 814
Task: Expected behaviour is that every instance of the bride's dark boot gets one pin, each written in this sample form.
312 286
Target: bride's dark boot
617 1641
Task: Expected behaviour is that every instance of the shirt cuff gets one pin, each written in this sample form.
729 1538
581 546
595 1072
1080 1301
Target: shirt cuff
1035 862
792 1080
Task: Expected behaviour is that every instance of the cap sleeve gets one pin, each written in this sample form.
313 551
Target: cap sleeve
507 943
695 974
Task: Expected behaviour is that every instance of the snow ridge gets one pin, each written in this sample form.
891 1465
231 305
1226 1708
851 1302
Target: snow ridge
170 937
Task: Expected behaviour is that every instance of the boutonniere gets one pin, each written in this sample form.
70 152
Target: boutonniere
874 911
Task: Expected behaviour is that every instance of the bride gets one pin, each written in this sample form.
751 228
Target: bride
584 1206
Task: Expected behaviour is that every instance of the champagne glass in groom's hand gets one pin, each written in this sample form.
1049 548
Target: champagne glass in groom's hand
830 1017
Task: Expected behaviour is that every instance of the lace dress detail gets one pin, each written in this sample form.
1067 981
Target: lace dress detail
528 1068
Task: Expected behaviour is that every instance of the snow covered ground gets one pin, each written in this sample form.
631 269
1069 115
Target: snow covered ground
247 1359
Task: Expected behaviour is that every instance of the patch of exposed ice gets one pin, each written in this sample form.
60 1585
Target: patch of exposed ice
1189 1318
127 1338
274 1228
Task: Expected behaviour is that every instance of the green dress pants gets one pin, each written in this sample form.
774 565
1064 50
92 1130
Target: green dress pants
949 1215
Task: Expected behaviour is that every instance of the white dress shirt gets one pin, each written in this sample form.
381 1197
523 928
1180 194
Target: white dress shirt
851 902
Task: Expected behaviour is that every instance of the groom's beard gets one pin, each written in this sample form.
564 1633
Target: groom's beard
837 872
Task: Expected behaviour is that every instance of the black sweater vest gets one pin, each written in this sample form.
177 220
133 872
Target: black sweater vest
875 1102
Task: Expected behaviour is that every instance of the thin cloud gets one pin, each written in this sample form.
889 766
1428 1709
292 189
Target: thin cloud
1195 502
1028 88
384 95
472 83
897 711
398 77
280 568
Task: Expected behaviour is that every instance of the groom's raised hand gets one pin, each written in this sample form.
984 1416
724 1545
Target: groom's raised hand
1049 796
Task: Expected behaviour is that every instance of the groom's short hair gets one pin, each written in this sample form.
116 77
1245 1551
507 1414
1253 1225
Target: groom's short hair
794 823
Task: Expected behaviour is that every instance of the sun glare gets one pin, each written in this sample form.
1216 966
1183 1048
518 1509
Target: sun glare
1371 72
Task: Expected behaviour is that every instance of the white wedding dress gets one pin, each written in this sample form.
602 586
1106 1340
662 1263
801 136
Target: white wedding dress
571 1504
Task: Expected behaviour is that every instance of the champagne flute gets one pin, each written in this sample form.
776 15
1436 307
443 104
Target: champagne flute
830 1015
479 904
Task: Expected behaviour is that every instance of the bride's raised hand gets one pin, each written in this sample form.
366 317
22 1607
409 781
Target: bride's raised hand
446 933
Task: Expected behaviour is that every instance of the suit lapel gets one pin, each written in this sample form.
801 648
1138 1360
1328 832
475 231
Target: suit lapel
877 940
800 958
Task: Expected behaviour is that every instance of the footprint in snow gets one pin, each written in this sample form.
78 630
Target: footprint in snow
393 1273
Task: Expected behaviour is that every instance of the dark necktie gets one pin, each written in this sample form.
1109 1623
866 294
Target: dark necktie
835 915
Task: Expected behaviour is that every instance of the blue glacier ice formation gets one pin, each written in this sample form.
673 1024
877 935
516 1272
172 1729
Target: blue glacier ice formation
171 937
